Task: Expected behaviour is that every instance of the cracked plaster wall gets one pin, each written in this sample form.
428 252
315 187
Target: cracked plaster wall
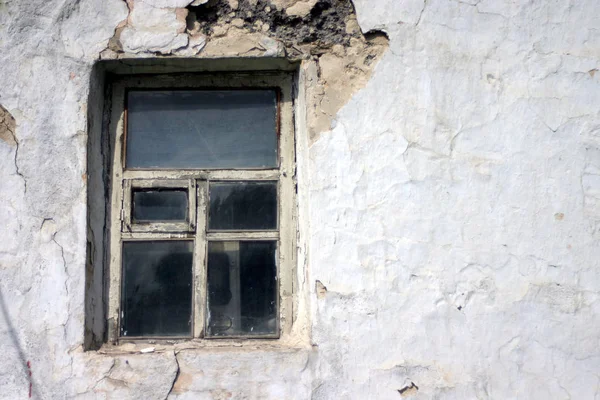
453 204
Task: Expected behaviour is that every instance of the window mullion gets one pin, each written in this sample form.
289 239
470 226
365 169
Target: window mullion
200 259
287 213
116 218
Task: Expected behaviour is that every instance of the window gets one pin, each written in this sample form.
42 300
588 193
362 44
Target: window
202 226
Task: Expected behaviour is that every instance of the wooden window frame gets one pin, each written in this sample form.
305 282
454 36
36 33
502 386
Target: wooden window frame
197 181
129 225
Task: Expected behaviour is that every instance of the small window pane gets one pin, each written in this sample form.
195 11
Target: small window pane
160 205
243 206
201 129
157 288
242 288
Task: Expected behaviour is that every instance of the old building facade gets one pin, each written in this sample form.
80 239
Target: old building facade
435 171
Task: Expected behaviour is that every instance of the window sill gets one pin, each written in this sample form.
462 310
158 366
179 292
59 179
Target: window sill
152 346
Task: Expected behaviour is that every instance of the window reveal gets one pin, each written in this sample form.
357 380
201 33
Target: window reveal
203 184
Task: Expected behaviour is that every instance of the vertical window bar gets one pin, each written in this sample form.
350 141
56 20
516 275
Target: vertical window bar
287 211
200 259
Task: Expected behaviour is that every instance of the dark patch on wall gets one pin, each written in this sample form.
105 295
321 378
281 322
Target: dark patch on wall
409 389
320 289
323 27
7 127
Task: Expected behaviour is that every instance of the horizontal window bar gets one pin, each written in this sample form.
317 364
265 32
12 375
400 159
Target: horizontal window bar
154 338
236 175
160 183
238 337
229 80
159 227
254 235
157 236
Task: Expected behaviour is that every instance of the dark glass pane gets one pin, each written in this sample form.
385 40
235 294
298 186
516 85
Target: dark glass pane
242 288
157 288
243 206
201 129
160 205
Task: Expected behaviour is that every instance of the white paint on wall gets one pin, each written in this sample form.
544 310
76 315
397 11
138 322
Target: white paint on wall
453 213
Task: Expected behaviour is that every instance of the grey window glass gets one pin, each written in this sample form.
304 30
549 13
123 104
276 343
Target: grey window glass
157 288
242 288
243 206
160 205
201 129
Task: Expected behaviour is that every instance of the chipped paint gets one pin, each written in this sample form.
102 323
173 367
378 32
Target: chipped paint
449 198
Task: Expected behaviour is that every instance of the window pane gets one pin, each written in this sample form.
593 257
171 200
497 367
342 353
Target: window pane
157 288
243 206
160 205
242 288
201 129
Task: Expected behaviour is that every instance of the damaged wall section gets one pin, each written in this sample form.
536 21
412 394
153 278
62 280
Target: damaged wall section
323 33
7 127
171 36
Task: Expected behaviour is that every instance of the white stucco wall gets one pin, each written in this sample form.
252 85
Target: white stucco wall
452 213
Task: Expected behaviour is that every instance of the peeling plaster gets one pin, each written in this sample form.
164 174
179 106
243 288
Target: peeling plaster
452 198
323 32
8 135
7 127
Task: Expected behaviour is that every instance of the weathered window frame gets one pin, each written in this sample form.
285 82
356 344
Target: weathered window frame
197 182
130 185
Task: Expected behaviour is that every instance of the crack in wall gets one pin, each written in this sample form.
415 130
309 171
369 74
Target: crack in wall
176 375
8 127
48 229
421 13
17 170
105 376
62 254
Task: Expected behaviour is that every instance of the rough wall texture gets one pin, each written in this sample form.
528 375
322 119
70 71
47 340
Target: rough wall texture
324 32
453 202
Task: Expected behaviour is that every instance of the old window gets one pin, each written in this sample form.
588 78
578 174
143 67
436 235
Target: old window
202 206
